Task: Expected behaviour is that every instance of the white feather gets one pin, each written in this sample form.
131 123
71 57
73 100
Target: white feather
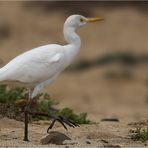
40 66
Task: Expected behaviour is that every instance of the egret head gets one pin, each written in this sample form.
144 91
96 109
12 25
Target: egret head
79 20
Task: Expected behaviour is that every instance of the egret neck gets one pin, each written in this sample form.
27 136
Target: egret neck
73 40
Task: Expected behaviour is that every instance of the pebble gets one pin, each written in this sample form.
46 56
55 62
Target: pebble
54 137
88 141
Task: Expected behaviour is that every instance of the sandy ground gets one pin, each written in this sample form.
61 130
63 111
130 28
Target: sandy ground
124 29
103 134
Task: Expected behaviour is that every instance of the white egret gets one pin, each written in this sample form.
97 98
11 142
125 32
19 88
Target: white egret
38 67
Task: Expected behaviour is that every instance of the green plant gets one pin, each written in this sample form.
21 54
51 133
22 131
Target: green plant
9 96
14 101
140 134
78 118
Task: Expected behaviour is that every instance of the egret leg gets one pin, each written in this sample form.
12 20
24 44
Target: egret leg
26 117
62 120
26 120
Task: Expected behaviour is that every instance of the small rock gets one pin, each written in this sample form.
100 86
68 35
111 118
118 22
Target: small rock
110 119
105 141
88 141
54 138
112 146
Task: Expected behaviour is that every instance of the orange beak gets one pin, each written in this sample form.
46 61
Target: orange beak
95 19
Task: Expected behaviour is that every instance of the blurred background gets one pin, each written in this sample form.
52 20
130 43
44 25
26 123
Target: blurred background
109 77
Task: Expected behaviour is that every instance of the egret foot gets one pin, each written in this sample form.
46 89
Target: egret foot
62 120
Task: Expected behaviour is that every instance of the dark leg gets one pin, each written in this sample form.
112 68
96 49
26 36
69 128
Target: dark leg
60 119
26 117
26 125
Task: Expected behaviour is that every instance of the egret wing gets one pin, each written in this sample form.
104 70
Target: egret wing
34 66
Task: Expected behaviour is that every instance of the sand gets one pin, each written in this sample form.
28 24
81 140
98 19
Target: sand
103 134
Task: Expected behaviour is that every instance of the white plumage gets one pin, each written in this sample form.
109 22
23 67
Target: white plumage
35 67
40 66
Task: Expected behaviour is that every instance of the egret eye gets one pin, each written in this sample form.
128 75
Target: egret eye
81 20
